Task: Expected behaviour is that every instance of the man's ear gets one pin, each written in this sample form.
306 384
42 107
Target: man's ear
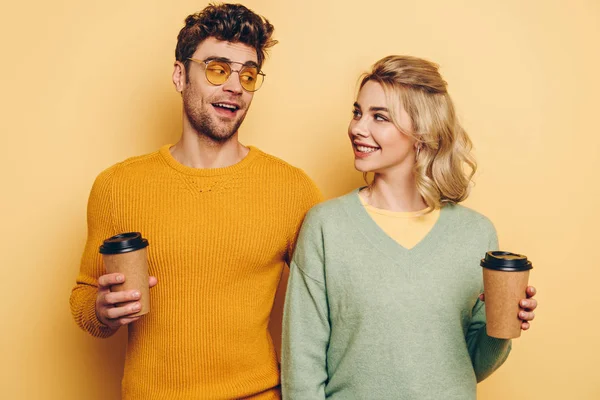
179 76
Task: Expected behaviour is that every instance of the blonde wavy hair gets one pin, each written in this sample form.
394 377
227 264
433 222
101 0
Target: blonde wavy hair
444 165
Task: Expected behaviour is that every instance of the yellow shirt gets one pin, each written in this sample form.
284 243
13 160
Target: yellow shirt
406 228
219 240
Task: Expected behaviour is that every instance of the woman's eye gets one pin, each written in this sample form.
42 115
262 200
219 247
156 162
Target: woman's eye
356 114
379 117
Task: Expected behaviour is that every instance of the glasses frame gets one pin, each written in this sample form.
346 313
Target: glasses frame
209 60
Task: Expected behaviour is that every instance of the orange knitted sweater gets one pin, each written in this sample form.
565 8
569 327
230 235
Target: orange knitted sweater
219 239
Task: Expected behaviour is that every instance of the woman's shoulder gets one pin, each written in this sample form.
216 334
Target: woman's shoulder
332 209
468 218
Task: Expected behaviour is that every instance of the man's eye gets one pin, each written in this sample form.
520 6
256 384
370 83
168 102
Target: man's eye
248 78
217 70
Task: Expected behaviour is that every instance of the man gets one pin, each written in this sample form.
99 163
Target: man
221 219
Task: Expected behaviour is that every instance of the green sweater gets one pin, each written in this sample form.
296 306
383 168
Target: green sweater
366 318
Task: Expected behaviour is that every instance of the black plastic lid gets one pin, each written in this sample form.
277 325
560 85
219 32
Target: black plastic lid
123 243
506 261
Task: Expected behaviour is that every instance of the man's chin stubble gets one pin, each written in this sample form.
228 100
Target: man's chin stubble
206 129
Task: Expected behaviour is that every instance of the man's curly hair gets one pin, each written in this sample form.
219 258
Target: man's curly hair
228 22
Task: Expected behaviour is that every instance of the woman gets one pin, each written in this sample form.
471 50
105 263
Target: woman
385 296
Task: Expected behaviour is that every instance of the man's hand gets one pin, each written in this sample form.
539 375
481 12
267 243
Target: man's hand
107 310
527 305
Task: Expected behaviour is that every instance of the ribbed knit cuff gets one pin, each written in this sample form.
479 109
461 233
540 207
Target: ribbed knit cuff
89 320
491 354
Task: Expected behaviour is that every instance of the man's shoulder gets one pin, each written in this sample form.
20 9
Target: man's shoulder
130 166
281 172
141 160
277 164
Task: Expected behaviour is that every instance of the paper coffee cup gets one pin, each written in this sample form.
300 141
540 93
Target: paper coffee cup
505 278
126 253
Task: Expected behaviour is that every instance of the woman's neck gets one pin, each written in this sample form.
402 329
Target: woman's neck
393 194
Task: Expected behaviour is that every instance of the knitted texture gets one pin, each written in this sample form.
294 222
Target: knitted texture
366 318
219 239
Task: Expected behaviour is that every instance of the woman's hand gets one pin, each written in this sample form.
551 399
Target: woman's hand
528 306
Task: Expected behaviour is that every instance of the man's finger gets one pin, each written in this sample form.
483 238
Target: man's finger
108 280
118 312
113 298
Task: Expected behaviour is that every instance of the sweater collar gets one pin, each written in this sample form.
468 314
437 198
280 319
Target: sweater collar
374 234
207 172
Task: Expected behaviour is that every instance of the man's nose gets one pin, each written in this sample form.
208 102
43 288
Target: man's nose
232 84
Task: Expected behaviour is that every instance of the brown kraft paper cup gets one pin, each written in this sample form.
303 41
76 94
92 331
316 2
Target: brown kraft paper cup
505 278
126 253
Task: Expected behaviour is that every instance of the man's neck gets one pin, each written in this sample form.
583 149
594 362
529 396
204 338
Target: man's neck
196 151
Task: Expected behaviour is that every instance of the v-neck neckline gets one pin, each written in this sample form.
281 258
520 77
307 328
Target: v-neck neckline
377 236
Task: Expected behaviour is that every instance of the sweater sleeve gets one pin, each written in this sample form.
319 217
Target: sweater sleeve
100 227
310 196
487 353
306 325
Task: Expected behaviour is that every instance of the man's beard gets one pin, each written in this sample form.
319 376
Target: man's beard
202 122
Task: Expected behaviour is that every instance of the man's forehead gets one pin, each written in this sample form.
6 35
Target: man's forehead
234 51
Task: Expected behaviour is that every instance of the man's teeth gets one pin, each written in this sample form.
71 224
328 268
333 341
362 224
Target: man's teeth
227 106
365 149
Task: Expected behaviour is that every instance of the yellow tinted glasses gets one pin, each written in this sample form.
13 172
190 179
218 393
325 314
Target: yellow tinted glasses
218 71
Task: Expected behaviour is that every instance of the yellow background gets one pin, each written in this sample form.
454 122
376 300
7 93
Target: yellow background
87 84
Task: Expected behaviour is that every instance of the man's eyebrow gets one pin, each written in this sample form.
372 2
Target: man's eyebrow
215 58
227 60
